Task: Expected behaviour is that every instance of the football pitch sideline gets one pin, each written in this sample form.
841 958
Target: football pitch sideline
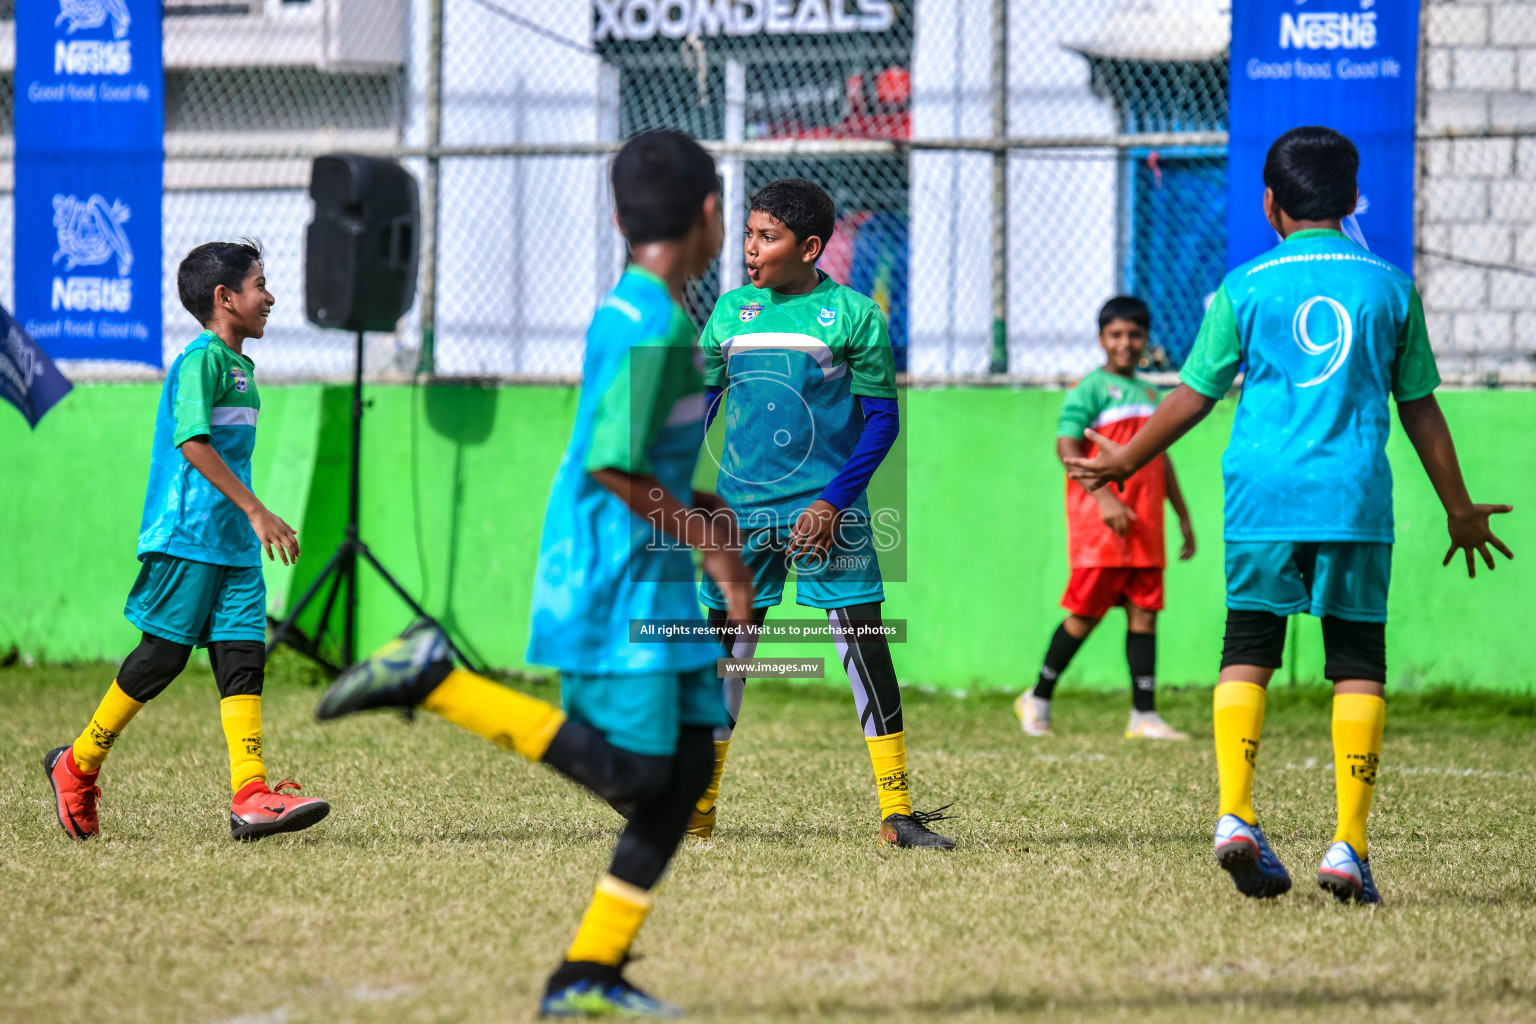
450 873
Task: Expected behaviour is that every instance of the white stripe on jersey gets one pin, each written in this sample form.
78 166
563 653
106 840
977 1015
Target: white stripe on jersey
813 347
1124 412
232 416
688 409
628 310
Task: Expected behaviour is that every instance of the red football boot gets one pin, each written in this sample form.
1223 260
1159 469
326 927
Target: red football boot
74 793
258 811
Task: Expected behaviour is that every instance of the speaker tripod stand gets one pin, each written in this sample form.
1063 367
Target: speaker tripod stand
341 571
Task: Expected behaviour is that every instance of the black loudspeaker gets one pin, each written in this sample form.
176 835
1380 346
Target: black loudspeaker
361 250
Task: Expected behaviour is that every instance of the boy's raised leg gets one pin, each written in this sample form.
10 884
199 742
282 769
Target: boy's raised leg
659 792
590 980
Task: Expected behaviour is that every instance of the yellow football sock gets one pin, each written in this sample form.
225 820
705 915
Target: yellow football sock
1239 722
503 716
611 922
241 716
712 791
112 716
888 754
1358 719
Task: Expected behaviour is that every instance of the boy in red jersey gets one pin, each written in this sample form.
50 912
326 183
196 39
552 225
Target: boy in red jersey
1115 539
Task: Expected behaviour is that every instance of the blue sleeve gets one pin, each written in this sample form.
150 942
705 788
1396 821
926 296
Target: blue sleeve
711 403
882 422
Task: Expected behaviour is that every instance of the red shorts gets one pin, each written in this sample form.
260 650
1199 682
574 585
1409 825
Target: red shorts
1091 593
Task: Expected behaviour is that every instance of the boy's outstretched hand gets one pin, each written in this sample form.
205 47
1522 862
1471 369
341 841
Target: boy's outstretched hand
1467 523
272 532
1106 466
1470 531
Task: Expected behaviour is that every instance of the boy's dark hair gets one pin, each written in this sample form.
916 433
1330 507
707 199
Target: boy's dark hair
660 180
1125 307
1312 171
210 265
800 205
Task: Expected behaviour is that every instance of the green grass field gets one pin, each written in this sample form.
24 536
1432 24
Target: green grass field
450 874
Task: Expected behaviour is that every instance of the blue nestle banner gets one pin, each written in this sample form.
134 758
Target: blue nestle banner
90 117
1349 64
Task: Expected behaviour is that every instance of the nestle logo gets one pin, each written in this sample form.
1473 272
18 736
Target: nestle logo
1328 30
89 57
94 294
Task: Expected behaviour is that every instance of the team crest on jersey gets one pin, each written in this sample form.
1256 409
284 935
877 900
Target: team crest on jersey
749 312
826 316
1114 392
240 381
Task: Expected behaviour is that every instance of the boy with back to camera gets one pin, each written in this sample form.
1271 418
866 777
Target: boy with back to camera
1114 539
805 370
638 718
1324 332
200 544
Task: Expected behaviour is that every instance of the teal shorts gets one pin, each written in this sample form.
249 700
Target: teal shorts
848 575
1344 579
642 714
196 603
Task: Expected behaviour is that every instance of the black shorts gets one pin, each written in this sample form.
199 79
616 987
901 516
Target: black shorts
1353 650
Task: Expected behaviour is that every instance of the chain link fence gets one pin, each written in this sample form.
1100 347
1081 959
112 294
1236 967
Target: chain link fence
1000 166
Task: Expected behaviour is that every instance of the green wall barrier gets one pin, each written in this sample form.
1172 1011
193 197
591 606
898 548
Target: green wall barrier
72 495
455 478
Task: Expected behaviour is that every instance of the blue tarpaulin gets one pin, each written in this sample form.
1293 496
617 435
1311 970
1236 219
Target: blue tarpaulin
1351 65
90 116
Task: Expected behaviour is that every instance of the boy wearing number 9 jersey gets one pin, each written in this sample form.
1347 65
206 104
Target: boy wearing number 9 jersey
1325 332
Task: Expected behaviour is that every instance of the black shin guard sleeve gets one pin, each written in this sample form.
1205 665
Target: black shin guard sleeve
151 667
1253 638
657 826
1141 657
1354 650
871 673
1057 657
582 755
239 667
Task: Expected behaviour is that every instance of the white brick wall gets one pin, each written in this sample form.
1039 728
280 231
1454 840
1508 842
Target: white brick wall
1483 69
1514 24
1457 24
1477 197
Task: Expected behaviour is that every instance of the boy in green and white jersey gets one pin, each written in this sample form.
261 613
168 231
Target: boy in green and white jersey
804 368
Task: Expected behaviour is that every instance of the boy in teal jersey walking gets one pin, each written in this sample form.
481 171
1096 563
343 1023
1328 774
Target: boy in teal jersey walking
805 370
200 544
1324 332
622 515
